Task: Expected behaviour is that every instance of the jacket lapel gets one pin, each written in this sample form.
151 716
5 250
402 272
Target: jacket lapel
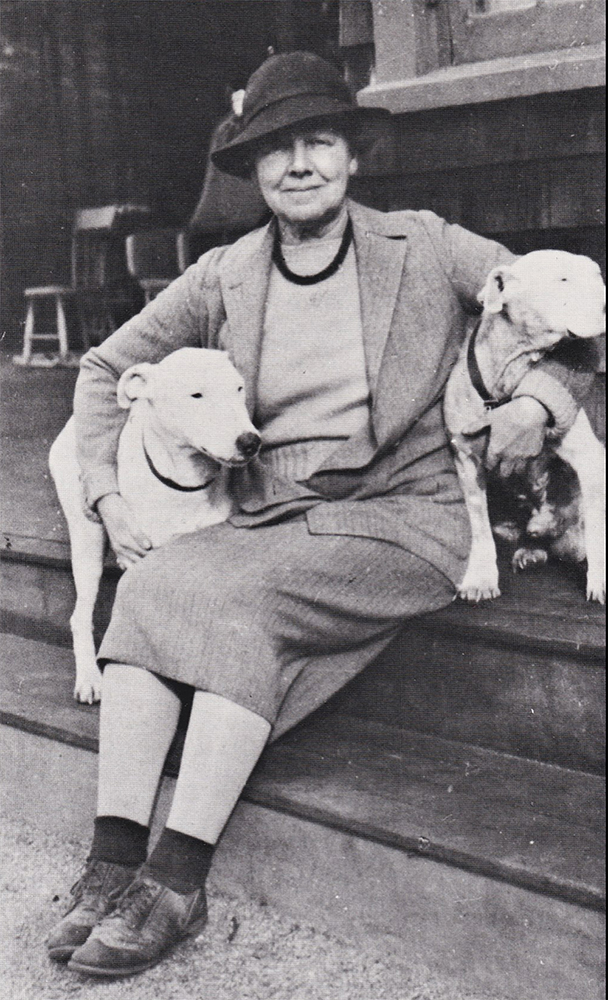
380 246
400 305
244 278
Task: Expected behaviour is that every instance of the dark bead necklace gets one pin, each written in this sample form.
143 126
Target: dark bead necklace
312 279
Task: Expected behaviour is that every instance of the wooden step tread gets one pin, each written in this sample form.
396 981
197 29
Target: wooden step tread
542 609
536 609
532 824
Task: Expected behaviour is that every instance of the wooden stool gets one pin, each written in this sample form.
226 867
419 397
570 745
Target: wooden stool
32 296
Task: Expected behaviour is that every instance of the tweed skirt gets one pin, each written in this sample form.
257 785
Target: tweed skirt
273 618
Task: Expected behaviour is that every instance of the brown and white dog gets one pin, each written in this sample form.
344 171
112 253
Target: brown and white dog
187 425
528 308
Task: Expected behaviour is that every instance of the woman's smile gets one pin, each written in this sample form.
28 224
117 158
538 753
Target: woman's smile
302 194
303 177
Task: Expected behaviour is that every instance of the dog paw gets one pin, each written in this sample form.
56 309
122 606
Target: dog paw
596 590
479 588
525 557
479 593
88 690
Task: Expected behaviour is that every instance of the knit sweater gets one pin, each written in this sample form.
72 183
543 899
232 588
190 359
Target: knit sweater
312 384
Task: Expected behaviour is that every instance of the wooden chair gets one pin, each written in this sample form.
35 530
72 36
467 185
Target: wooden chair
156 257
100 285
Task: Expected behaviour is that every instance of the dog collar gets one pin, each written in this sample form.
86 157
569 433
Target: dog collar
475 375
170 482
311 279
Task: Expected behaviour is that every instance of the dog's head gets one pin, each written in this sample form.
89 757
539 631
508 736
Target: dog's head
548 295
195 398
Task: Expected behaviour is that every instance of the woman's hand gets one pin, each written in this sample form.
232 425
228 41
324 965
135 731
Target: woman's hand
128 542
517 434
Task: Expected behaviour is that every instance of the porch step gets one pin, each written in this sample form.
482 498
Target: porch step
485 866
524 674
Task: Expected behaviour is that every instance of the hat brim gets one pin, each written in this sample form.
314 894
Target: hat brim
237 157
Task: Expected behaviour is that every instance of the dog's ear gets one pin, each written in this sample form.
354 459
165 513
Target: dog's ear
491 295
133 384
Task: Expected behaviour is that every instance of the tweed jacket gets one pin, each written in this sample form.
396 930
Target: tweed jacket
419 278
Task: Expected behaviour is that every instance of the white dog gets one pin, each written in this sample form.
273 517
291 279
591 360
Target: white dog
529 307
187 424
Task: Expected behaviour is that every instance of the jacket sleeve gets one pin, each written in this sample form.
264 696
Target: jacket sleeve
178 317
562 380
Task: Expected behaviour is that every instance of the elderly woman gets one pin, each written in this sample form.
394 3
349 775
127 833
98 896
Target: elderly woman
344 323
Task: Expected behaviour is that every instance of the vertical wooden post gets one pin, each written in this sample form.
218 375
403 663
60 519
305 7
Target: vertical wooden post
62 329
28 332
411 38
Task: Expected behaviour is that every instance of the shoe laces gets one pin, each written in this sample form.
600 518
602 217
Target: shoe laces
91 880
134 904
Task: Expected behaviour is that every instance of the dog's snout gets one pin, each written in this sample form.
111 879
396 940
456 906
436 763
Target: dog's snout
248 444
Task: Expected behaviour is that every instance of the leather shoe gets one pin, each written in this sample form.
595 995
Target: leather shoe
93 896
148 920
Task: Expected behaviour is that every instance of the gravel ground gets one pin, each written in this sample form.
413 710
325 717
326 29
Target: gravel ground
248 952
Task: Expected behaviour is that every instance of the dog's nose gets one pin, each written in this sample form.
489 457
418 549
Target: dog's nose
248 444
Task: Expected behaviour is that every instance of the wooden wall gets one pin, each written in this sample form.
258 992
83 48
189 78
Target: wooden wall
108 101
529 170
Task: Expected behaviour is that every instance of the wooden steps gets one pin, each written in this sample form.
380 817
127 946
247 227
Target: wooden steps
524 674
398 815
442 799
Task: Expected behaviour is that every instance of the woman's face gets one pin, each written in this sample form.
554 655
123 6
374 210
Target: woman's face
303 175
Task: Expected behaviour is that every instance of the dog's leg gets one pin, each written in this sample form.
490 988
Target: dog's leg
87 544
480 581
587 456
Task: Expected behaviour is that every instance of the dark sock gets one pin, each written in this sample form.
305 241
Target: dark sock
179 861
119 841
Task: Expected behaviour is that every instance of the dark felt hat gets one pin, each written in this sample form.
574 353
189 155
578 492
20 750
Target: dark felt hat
290 89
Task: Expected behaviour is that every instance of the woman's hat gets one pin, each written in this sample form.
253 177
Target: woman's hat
291 89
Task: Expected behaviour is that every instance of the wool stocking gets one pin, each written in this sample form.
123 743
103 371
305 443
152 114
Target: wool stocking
139 716
223 744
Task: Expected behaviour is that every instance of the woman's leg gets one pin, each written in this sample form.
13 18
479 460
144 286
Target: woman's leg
139 717
223 744
251 630
167 900
138 720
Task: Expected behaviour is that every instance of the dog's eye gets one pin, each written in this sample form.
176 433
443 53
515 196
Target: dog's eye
197 395
563 279
241 388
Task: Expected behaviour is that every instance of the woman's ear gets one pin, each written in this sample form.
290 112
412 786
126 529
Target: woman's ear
133 384
353 166
492 295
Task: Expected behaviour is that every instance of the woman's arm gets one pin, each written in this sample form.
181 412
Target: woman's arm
178 317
